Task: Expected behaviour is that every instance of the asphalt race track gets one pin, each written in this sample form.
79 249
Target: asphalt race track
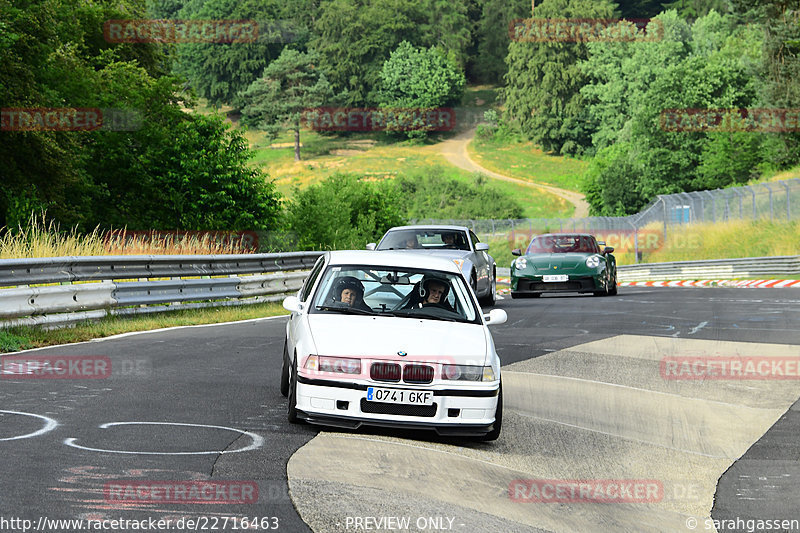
587 401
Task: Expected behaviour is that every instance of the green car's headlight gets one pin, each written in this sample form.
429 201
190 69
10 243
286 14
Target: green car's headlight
593 261
520 263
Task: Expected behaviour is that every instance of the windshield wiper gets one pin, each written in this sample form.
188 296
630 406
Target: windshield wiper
416 314
345 310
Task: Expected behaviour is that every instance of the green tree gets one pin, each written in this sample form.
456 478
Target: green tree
419 78
342 212
355 37
611 184
431 194
779 73
698 8
447 27
492 36
544 79
220 71
709 67
619 74
51 54
288 85
56 56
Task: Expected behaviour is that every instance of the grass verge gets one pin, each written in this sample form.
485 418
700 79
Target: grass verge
526 161
727 240
23 338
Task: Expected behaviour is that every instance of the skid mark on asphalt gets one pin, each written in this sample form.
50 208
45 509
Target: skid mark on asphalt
600 410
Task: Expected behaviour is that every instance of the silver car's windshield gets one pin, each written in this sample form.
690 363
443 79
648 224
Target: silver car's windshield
425 239
401 292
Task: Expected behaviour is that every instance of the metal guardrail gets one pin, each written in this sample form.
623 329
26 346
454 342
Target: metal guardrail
749 267
93 287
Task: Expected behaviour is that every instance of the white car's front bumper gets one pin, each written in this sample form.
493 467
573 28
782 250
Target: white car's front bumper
456 410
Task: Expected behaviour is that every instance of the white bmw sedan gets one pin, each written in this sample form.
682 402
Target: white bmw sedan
391 339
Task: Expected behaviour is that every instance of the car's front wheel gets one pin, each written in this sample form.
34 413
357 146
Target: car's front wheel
613 288
291 413
490 299
285 371
498 419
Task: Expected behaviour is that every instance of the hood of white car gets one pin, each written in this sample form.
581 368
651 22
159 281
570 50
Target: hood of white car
384 337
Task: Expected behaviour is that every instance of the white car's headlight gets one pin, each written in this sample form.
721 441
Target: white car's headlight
468 373
593 261
341 365
520 263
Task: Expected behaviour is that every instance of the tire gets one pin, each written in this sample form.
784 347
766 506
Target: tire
491 299
473 282
291 412
605 291
613 290
285 372
498 420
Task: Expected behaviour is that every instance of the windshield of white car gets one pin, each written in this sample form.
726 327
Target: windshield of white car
399 292
425 239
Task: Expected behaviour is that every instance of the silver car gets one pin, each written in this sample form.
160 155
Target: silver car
453 242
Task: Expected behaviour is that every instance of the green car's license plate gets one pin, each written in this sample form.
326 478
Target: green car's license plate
409 397
560 277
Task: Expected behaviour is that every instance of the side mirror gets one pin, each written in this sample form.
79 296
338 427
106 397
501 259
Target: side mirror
481 247
607 250
371 246
516 251
496 317
293 304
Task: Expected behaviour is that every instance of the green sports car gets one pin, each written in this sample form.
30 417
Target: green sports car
563 262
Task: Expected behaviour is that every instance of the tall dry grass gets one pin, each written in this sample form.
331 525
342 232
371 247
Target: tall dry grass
729 240
43 238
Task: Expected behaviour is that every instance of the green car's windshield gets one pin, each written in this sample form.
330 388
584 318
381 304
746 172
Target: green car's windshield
562 244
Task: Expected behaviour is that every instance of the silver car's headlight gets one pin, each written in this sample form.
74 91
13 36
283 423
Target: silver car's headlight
593 261
520 263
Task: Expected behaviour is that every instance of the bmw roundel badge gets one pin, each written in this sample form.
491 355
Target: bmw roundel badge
402 354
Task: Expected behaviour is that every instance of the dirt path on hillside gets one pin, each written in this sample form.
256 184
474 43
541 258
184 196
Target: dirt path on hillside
455 151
